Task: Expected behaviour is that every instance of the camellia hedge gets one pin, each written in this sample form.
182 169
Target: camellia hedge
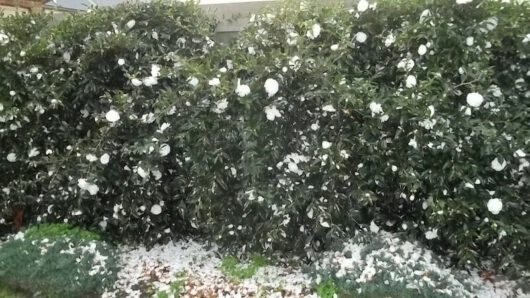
318 120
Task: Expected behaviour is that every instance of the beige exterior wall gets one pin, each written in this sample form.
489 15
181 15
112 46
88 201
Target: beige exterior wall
10 10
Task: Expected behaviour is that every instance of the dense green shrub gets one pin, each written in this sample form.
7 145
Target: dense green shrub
407 115
71 162
57 266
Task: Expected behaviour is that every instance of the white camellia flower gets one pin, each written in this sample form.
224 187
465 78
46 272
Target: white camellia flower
251 51
329 108
406 64
326 145
33 152
432 234
142 173
91 157
361 37
136 82
155 70
121 61
362 5
463 1
519 153
474 99
164 150
375 108
394 169
112 116
373 227
104 159
92 189
470 41
131 24
495 206
497 165
12 157
242 90
193 81
150 81
12 93
422 50
220 106
271 87
314 32
214 82
389 40
413 143
272 112
156 209
334 47
431 109
411 81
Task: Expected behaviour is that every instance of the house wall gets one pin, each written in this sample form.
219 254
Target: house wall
21 5
10 10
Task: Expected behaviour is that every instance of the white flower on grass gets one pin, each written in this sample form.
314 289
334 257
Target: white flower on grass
361 37
272 112
422 50
411 81
497 165
104 159
375 108
495 206
413 143
220 106
150 81
214 82
406 64
136 82
251 51
156 209
91 157
33 152
193 81
131 24
12 157
474 99
389 40
121 61
432 234
314 32
326 145
242 90
463 1
470 41
271 87
12 93
362 5
164 150
334 47
394 169
112 116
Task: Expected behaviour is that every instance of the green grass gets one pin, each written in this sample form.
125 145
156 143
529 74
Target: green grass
6 292
175 288
59 230
231 266
327 289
